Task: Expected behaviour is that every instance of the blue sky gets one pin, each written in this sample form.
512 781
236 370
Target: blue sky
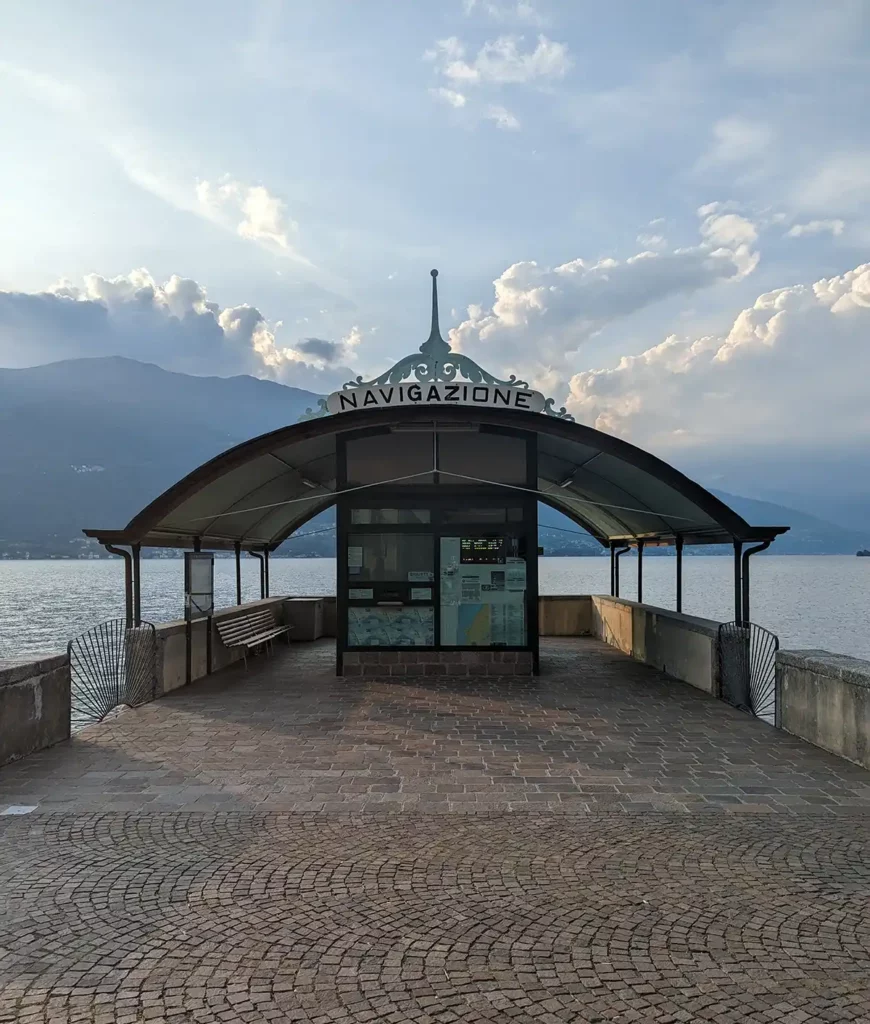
215 183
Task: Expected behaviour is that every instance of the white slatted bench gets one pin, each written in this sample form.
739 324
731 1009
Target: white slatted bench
251 631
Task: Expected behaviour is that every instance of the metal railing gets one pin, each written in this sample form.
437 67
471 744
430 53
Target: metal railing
747 669
111 664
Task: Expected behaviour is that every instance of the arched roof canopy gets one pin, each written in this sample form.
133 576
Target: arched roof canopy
258 493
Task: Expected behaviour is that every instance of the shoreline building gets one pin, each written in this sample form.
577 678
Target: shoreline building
436 468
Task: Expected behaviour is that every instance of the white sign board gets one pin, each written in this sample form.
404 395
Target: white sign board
388 396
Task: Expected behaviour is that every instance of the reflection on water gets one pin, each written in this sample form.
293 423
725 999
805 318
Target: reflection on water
818 601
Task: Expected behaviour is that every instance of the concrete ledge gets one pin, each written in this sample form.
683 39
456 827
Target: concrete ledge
34 705
172 648
683 646
565 615
825 699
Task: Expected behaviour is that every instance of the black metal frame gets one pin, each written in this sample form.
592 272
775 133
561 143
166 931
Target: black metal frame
436 498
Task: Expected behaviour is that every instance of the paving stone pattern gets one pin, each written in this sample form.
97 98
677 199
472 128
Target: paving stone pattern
600 844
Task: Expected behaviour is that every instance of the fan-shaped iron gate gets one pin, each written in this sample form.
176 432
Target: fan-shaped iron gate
111 664
747 669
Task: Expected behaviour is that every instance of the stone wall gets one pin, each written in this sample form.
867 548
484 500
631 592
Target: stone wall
683 646
438 663
825 698
172 646
34 705
565 615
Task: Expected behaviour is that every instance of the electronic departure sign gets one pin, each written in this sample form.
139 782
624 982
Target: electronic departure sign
481 550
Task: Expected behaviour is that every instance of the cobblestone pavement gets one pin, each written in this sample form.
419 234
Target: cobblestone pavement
596 732
284 846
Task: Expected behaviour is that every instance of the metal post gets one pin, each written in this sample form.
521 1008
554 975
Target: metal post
266 572
613 568
238 548
188 628
616 556
259 557
137 585
640 572
747 554
738 600
679 573
128 581
197 544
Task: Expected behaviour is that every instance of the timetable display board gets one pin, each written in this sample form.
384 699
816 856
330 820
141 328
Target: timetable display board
483 602
481 550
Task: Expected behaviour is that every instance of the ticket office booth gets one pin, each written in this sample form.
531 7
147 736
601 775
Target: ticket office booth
439 562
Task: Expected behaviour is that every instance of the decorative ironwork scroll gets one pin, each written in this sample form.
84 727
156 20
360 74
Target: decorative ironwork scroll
436 362
747 668
111 665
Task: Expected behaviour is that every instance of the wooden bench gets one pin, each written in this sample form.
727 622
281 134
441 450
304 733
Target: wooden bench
251 631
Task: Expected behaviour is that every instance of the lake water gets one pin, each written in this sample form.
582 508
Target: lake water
820 601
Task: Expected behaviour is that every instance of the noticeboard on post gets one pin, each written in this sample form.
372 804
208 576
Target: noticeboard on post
198 584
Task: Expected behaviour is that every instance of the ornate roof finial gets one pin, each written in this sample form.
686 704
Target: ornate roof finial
436 362
435 345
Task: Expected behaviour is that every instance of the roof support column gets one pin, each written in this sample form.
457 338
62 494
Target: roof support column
616 556
679 573
738 599
746 556
266 572
640 572
613 568
128 581
238 550
137 585
259 557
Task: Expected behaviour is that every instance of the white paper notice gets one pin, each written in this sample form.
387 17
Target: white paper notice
360 594
354 557
420 577
515 574
469 588
421 593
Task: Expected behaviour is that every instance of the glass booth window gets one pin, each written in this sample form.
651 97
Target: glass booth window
387 516
390 557
377 458
483 515
391 627
483 592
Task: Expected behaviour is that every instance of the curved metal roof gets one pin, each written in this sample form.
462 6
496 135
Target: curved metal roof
260 492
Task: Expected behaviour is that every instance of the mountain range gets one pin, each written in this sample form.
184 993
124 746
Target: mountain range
88 442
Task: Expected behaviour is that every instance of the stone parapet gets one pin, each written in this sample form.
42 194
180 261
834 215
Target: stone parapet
825 698
34 705
438 663
684 646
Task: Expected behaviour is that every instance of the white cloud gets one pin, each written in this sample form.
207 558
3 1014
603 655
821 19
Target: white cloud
260 216
816 227
449 96
653 242
799 36
841 182
503 118
793 367
736 233
542 316
521 11
173 324
737 140
500 61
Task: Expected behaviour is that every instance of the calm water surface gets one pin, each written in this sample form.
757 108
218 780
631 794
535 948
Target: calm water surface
818 601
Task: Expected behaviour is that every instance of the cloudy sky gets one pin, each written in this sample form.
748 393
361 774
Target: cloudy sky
656 211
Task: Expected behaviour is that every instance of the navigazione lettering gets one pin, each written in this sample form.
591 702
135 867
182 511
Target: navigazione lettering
386 396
